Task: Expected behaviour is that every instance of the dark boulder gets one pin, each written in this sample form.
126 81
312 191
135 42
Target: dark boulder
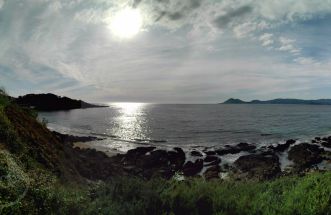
257 166
326 144
326 141
210 159
156 159
212 172
235 149
196 153
133 155
139 151
191 169
245 146
176 158
305 155
210 152
282 147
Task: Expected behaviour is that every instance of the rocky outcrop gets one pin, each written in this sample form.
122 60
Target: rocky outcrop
257 166
192 168
67 138
304 155
235 149
176 158
282 147
325 141
148 162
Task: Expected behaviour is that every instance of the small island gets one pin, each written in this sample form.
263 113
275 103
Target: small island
280 101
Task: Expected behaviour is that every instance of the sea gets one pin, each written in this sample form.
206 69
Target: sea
124 126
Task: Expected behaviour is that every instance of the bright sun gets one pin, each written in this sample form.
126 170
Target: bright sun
126 23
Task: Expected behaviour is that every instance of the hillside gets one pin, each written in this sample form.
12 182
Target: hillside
281 101
51 102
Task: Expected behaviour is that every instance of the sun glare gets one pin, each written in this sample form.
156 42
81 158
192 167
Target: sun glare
126 23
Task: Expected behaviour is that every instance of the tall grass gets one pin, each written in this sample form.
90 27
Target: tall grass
310 194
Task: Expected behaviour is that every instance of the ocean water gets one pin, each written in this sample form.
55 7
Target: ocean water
127 125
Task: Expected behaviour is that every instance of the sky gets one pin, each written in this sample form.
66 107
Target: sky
166 51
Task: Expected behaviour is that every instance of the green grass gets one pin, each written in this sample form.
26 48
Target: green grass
310 194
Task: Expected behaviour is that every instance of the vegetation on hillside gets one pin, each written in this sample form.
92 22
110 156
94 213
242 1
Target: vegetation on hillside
29 183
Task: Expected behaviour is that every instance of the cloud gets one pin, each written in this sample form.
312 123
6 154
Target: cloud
304 60
266 39
189 50
136 3
288 45
223 20
173 9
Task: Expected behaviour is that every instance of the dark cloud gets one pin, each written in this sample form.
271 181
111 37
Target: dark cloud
223 20
136 3
175 16
183 8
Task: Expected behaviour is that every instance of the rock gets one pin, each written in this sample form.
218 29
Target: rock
133 155
305 155
282 147
139 151
176 158
213 163
210 152
290 141
246 147
196 153
257 166
210 158
326 144
67 138
212 172
156 159
191 169
235 149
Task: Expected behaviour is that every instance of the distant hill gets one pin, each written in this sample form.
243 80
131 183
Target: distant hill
281 101
51 102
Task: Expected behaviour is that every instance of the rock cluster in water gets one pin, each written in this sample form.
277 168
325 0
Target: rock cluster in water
257 163
253 163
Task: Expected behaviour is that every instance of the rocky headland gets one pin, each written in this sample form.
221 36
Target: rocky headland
51 102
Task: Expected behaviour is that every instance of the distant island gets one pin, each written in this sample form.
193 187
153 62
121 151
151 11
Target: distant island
51 102
280 101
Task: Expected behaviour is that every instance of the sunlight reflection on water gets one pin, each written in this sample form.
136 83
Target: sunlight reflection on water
130 122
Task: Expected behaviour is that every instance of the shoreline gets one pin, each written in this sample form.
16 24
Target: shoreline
241 161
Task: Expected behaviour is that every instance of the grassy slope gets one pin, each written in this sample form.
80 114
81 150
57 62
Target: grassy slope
30 184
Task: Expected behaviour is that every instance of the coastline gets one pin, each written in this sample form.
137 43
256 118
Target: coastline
241 161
